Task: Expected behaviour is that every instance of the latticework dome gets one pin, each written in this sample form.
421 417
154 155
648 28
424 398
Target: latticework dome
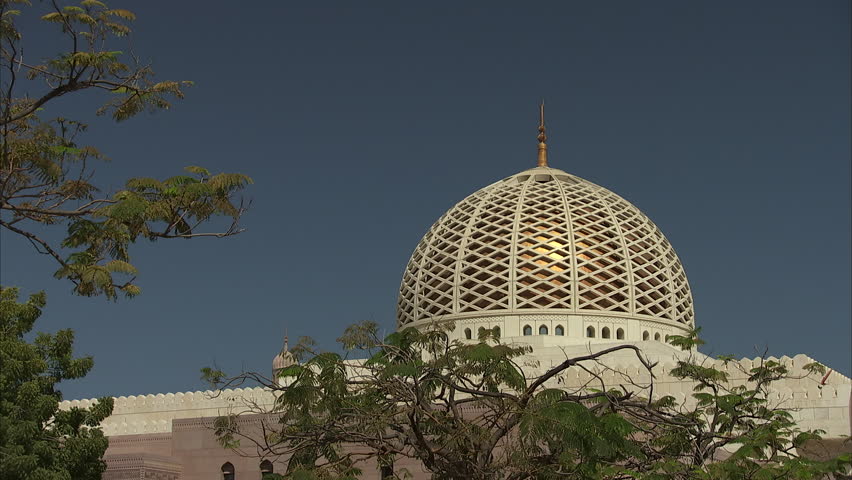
545 241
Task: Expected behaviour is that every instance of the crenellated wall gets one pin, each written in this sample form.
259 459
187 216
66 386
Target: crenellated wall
154 413
815 406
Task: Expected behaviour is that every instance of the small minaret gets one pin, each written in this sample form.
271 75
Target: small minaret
281 361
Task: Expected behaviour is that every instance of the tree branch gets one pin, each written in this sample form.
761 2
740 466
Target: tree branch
36 240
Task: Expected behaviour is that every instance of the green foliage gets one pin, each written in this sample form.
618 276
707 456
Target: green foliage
762 438
689 341
815 368
568 440
46 173
471 409
47 183
37 440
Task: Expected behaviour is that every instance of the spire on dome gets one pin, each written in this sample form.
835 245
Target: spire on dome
542 138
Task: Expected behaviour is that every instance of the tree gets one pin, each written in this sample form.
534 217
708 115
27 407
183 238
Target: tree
47 185
46 172
37 440
476 411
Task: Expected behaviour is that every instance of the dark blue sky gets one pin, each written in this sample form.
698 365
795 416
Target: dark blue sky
726 122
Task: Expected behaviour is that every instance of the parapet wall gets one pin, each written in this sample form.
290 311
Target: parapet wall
815 406
153 413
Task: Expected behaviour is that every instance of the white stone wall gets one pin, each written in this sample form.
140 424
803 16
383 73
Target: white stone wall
814 406
824 407
154 413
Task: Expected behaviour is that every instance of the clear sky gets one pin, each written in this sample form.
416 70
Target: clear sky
726 122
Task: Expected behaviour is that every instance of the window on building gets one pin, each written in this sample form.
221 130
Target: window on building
266 470
646 336
481 332
542 330
496 333
590 332
527 330
605 332
468 334
619 334
228 472
559 330
657 336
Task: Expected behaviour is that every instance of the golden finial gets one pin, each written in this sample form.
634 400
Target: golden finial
542 138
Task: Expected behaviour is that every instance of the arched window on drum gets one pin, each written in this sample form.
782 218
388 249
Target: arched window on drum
228 472
266 470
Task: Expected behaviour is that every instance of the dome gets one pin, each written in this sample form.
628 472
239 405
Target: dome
283 359
545 242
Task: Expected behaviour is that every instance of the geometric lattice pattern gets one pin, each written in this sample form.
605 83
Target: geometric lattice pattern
544 240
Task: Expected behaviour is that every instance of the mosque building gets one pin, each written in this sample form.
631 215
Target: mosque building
543 257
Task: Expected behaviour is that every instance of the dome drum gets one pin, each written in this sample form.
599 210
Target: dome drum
544 241
558 328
